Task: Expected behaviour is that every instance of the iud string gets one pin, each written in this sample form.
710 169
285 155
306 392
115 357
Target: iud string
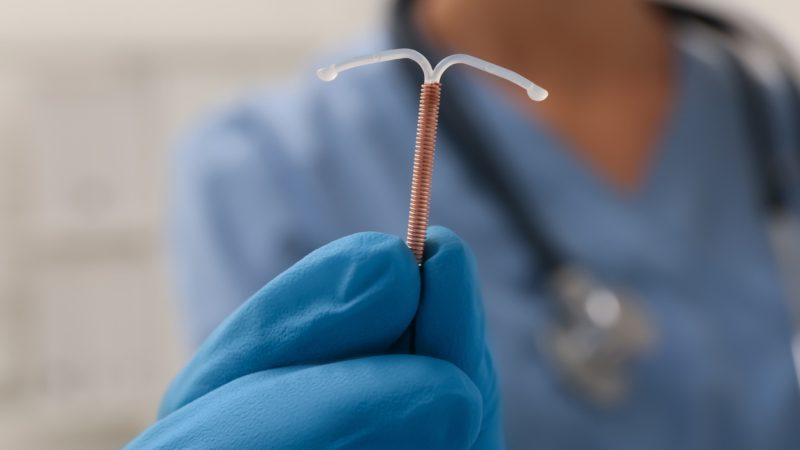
427 122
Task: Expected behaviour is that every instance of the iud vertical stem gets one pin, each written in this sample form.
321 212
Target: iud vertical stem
424 150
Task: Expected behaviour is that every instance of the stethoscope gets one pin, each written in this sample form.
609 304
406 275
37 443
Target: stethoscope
601 328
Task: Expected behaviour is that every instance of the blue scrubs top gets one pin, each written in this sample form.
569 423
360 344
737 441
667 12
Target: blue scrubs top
278 173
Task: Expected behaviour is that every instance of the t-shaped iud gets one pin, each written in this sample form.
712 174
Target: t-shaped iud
427 122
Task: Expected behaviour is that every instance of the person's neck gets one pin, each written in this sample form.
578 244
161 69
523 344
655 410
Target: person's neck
566 45
608 65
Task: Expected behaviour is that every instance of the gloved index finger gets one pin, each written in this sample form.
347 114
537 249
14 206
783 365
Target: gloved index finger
450 321
352 297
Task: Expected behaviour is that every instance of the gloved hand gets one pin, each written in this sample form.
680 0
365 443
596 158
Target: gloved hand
311 360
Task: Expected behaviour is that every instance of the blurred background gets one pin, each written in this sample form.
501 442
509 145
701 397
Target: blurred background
92 94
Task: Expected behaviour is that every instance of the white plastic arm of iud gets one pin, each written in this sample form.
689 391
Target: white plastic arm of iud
434 75
329 73
534 91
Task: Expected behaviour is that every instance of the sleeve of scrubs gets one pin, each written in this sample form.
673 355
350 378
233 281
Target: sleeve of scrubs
224 248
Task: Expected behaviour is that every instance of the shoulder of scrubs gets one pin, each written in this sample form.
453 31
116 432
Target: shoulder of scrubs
783 95
778 88
252 180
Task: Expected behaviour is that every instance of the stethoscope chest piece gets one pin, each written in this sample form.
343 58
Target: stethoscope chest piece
598 333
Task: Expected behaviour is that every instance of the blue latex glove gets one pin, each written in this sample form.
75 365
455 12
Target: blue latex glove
310 361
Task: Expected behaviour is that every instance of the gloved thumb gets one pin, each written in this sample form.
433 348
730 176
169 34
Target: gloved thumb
450 323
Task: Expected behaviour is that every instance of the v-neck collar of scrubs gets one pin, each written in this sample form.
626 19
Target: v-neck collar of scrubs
557 150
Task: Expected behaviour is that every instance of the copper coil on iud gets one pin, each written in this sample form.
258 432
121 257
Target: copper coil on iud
424 150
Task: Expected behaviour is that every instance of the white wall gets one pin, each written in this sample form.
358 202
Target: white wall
91 92
780 16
